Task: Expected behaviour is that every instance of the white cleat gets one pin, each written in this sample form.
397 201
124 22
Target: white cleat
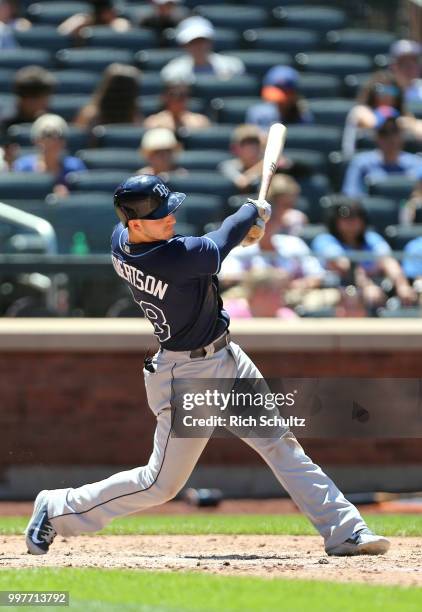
39 531
363 542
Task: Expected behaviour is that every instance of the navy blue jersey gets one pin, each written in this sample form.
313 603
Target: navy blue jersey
175 283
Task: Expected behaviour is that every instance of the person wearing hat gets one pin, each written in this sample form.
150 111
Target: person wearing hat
48 134
159 147
245 169
195 34
347 224
389 158
163 15
405 64
283 194
281 100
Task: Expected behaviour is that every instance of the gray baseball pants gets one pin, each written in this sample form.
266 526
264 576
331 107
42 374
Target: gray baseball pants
91 506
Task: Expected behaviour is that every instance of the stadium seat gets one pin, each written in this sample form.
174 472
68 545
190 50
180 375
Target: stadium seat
320 18
132 40
315 161
258 62
148 105
53 13
316 137
313 189
201 181
216 137
155 59
186 229
199 210
381 211
234 16
150 84
208 87
6 80
68 105
287 40
330 112
25 185
119 135
79 198
76 81
395 186
7 104
92 58
351 40
96 180
207 159
399 235
21 134
42 37
339 64
308 232
315 85
127 160
353 83
20 57
232 110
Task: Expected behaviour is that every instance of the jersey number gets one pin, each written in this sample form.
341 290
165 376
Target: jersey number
156 316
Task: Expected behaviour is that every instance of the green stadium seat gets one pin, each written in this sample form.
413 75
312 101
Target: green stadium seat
68 105
330 112
6 80
234 16
79 198
316 137
151 84
53 13
207 159
339 64
372 42
96 180
25 185
320 18
201 181
127 160
399 235
199 210
314 189
216 137
316 161
42 37
21 134
316 85
395 186
155 59
259 62
353 83
381 211
232 110
14 59
208 87
92 58
76 81
288 40
7 104
132 40
120 135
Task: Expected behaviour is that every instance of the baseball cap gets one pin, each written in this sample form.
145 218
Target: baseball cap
158 139
248 131
277 81
194 27
384 114
49 125
405 47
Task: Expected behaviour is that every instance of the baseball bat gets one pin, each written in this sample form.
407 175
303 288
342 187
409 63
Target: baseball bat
275 145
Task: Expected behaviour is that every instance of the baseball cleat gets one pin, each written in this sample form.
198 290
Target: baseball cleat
39 531
363 542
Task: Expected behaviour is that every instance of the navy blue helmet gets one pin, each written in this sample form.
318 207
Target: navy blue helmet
145 197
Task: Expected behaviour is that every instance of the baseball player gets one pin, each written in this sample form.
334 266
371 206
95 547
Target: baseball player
174 281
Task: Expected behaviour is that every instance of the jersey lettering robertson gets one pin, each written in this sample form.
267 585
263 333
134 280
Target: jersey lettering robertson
175 282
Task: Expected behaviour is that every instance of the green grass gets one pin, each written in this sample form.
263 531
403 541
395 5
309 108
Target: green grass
260 524
107 590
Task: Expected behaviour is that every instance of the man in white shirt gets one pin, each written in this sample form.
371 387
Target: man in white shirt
195 35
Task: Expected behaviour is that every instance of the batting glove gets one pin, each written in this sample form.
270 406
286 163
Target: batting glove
255 233
263 207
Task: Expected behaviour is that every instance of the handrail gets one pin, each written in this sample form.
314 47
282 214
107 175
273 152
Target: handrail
37 224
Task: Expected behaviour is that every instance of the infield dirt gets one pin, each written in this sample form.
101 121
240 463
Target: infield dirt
249 555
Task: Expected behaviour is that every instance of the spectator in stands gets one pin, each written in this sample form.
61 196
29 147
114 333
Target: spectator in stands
412 262
347 224
176 113
159 147
114 100
383 89
283 195
195 35
244 170
281 100
388 159
405 64
8 16
7 38
49 134
103 14
164 14
411 212
260 294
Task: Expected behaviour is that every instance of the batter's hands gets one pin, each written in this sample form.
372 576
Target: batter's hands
263 207
255 233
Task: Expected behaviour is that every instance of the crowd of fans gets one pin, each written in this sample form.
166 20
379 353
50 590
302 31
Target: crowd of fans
344 269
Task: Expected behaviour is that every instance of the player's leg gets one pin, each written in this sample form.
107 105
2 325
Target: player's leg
311 489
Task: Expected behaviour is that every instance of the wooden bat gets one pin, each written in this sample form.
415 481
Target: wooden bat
274 147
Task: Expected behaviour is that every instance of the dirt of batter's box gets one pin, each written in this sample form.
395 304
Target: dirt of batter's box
250 555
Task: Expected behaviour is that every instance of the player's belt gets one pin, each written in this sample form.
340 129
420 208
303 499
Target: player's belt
212 348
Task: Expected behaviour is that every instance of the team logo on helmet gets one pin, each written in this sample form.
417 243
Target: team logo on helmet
162 190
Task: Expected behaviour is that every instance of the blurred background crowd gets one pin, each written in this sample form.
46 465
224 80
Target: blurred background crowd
91 92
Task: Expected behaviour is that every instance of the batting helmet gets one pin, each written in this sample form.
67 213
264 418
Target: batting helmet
145 197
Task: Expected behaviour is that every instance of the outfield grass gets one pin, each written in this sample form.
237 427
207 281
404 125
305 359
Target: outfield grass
107 590
260 524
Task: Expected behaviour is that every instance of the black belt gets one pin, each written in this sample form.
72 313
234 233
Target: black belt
215 346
